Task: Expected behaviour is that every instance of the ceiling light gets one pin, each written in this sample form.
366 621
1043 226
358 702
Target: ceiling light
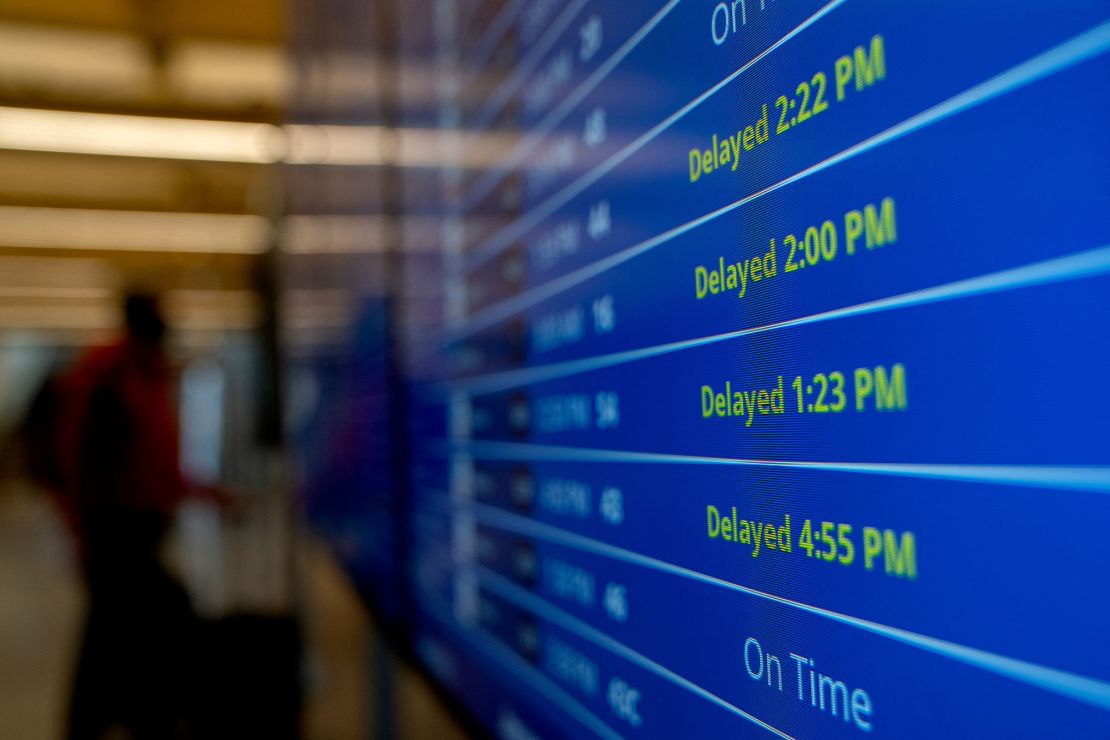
82 228
139 136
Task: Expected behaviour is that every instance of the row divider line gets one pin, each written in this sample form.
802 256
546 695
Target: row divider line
535 135
1089 478
1079 265
471 61
504 93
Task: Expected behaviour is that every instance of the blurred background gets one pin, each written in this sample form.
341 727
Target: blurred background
177 146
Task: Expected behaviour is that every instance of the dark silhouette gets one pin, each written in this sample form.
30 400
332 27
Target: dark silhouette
119 483
103 437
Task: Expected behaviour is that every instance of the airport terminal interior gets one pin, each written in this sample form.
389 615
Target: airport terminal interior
185 214
410 369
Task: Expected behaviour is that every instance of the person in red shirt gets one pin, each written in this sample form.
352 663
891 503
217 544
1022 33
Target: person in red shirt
120 482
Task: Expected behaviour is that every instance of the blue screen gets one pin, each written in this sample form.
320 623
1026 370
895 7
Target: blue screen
755 359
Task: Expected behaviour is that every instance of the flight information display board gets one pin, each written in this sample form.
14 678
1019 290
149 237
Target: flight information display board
758 354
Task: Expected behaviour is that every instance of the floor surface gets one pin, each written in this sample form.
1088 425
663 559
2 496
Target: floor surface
41 605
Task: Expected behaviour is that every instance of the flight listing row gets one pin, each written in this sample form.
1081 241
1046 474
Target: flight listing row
1000 376
881 544
590 623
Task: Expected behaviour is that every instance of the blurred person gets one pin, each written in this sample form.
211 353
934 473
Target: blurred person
119 482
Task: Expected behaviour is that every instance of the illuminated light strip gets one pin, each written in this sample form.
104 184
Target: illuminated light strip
118 135
139 136
1082 688
509 658
552 119
497 243
96 64
529 601
138 231
1085 264
1087 45
1092 478
528 63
